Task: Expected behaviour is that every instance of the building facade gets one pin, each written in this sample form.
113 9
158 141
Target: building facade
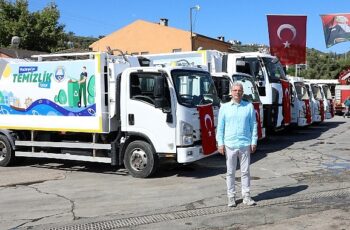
142 37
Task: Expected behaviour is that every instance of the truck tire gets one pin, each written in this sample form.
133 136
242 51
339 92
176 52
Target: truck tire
140 159
7 154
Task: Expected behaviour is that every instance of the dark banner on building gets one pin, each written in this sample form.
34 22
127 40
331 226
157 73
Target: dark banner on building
336 28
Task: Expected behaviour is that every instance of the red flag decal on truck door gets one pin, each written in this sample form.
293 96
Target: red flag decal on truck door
286 102
287 36
322 110
331 107
258 119
307 111
206 118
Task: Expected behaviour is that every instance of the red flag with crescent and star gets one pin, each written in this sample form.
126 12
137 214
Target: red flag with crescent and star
287 34
206 118
286 104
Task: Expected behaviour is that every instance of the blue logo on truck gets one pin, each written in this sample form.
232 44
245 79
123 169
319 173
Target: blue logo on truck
59 73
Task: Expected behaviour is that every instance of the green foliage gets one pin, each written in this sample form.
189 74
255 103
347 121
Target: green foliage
38 30
324 65
80 42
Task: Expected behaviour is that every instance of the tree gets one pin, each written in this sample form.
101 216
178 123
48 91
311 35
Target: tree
43 26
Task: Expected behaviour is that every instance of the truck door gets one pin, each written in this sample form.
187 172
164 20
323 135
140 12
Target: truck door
142 115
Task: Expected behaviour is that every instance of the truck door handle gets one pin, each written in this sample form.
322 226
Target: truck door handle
131 119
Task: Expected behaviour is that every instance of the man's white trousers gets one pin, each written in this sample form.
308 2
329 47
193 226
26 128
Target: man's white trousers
243 154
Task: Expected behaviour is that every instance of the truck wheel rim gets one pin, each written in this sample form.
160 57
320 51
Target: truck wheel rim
3 151
138 160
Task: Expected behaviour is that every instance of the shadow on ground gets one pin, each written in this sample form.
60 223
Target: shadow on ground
280 192
211 166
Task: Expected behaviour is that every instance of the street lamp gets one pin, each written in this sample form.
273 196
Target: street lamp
196 7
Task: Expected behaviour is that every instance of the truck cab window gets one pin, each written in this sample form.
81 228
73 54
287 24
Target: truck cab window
142 87
274 69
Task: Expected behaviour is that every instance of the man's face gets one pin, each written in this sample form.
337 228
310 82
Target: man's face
237 93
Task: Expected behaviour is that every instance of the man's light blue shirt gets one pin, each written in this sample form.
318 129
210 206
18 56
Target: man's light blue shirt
237 125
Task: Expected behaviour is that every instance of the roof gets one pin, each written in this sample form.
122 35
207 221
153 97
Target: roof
19 53
156 25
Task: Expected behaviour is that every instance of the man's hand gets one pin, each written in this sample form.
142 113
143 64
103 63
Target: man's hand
221 149
252 148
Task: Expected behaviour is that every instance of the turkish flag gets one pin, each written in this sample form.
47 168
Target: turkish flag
286 101
206 118
321 110
307 111
287 36
258 118
331 107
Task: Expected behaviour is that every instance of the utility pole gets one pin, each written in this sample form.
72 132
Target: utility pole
196 7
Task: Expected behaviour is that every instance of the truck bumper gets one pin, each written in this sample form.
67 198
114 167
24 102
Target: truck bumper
316 118
328 115
191 154
302 121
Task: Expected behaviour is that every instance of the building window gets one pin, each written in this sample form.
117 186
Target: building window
177 50
144 53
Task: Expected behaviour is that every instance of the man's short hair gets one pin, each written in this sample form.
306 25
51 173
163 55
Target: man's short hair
237 84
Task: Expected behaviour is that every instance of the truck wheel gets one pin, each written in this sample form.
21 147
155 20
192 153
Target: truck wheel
140 159
6 152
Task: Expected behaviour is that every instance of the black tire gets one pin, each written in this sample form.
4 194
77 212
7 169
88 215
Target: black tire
7 155
140 159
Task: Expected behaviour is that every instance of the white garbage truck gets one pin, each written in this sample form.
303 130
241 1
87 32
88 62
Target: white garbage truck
212 61
105 108
272 83
300 102
316 102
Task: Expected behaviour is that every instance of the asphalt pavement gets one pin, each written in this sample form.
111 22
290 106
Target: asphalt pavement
300 180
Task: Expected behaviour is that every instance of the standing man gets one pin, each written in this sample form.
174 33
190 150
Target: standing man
82 86
347 107
237 137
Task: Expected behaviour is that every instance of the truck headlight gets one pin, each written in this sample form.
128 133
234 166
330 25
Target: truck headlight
186 132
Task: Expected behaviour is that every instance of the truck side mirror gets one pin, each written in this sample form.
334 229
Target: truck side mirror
256 69
225 87
158 92
224 90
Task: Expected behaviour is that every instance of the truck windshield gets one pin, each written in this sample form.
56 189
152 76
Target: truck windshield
327 91
301 91
194 88
274 69
308 91
249 87
316 92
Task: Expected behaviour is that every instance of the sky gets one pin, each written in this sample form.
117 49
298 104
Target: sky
243 20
